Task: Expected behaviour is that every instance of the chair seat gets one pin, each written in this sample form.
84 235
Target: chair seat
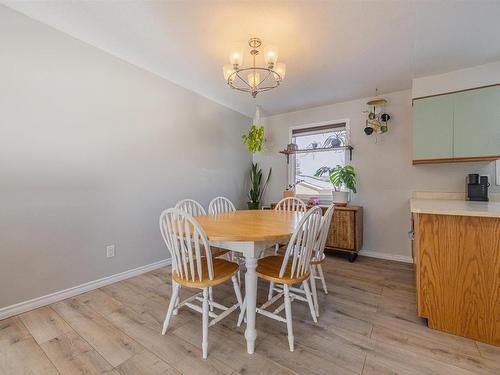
268 268
318 261
223 270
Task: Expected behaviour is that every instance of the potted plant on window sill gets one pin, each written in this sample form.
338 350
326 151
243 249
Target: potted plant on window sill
341 177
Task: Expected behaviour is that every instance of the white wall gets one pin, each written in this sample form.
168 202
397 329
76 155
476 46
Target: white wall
476 76
91 150
386 175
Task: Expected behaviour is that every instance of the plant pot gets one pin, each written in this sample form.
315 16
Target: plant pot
336 142
253 205
340 198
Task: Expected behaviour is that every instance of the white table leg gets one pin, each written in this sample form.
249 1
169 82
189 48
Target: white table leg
251 300
251 250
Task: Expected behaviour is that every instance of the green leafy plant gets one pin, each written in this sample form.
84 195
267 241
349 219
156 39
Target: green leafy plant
257 189
340 176
254 140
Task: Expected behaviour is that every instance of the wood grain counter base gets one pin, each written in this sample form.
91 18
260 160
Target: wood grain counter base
458 274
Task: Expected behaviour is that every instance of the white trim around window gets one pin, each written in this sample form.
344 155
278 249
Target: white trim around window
291 164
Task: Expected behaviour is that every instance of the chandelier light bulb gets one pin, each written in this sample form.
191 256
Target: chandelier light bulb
236 57
228 70
280 68
271 55
253 79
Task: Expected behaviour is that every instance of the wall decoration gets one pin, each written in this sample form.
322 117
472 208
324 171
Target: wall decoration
377 120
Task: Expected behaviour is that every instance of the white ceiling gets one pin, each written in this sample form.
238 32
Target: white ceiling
334 50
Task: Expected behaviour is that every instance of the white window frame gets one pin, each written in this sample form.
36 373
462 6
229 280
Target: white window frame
292 162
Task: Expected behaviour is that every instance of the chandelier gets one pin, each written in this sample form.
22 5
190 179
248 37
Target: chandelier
254 79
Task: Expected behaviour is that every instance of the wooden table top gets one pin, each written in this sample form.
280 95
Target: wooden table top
250 225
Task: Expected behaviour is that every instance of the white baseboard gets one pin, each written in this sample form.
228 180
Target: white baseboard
48 299
386 256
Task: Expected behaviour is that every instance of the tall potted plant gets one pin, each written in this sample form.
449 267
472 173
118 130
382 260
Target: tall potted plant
254 140
341 177
257 186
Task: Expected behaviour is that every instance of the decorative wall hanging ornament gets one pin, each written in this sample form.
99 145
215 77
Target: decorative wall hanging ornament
376 122
254 79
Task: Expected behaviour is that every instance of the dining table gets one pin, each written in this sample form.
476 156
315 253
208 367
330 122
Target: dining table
249 232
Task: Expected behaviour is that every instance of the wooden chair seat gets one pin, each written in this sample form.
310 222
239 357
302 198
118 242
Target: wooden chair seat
268 268
320 260
223 270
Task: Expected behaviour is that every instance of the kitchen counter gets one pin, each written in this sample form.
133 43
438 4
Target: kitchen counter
455 207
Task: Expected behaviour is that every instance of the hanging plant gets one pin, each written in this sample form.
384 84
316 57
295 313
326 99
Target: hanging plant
254 140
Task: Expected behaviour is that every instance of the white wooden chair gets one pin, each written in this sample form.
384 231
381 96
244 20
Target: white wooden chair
194 267
194 209
292 268
219 205
317 258
289 204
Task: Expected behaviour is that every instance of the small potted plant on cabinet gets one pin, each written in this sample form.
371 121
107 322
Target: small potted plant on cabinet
341 177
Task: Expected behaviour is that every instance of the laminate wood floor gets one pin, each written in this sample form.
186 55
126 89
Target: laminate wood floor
367 325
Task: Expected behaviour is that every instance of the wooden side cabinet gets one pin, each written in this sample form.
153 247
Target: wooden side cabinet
346 231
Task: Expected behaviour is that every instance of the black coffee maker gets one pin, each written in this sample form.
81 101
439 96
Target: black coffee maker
477 188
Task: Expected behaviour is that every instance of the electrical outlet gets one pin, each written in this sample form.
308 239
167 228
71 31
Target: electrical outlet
110 251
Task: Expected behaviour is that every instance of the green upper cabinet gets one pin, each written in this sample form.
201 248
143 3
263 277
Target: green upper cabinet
477 123
457 127
433 128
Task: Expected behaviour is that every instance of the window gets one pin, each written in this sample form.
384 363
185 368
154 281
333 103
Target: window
324 143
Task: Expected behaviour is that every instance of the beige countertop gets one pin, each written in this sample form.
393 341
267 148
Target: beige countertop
455 207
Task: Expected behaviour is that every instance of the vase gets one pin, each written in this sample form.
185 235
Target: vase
336 142
340 198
